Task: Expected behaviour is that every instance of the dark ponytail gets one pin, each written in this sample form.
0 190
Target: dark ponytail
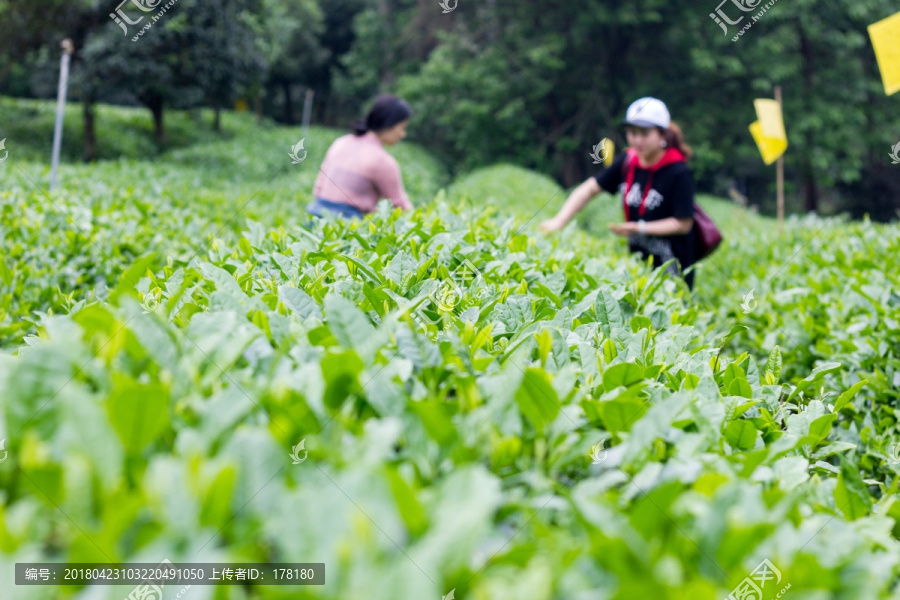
675 139
386 112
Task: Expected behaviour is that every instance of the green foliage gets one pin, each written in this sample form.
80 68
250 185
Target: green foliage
126 133
509 187
491 83
158 420
111 212
473 113
499 85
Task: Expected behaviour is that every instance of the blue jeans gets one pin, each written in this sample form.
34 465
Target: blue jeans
320 206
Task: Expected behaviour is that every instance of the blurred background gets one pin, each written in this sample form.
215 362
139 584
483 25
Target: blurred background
532 84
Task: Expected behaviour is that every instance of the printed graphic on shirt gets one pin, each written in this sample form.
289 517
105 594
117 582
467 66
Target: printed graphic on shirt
654 198
671 195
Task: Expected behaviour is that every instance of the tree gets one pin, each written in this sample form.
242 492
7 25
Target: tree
26 26
220 42
535 88
193 54
834 104
287 36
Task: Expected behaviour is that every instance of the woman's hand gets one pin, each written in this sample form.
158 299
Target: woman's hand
574 203
551 225
626 228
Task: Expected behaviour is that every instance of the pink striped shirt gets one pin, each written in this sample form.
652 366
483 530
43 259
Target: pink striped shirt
358 171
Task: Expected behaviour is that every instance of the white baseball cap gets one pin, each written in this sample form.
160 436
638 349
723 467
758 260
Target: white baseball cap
648 112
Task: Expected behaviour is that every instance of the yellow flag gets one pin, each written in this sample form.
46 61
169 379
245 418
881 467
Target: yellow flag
609 149
768 130
884 36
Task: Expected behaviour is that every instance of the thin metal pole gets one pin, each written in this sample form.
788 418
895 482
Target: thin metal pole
60 109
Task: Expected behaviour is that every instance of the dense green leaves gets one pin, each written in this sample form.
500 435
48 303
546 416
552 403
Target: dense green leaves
139 413
741 435
536 398
773 366
623 374
850 493
583 419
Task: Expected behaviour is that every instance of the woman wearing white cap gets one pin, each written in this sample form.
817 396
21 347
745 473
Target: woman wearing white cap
656 186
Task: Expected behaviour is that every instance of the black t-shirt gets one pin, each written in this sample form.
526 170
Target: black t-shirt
671 195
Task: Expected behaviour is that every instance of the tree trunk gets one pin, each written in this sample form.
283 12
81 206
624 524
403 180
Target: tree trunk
811 200
572 169
387 75
288 103
156 107
259 110
569 159
493 24
5 71
217 119
90 134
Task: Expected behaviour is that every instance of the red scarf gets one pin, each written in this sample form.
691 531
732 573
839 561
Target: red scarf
670 156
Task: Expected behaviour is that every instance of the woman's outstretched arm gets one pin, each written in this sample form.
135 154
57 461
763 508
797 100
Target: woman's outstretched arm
575 202
662 227
389 184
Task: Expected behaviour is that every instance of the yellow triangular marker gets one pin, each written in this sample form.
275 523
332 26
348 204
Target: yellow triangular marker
769 114
884 36
769 148
768 130
609 148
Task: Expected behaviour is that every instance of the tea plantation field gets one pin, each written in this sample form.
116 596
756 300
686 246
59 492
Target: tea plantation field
483 411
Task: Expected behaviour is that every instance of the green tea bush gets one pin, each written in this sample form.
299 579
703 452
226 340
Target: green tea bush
509 187
78 240
484 410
